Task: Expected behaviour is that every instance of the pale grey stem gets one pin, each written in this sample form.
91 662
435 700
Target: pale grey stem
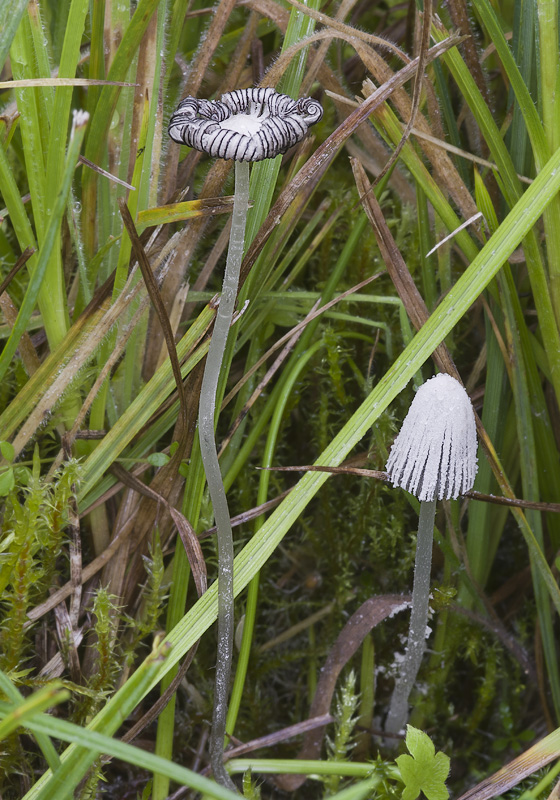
398 710
209 455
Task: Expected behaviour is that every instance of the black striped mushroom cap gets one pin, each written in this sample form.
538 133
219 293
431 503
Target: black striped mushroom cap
434 455
245 125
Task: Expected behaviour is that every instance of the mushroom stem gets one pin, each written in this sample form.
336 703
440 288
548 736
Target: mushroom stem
398 710
209 455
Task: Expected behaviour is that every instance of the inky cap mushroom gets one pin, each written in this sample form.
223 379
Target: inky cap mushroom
245 125
434 455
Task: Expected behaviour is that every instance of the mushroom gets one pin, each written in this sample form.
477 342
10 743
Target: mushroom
245 125
433 458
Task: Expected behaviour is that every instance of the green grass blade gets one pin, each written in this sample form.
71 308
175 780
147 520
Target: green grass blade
41 700
11 15
78 759
536 132
47 747
512 190
98 743
101 120
51 236
63 97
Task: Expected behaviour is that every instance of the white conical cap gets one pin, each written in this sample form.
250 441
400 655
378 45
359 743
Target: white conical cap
434 455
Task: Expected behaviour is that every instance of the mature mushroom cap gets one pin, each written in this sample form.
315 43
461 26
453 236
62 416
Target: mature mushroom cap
245 125
434 455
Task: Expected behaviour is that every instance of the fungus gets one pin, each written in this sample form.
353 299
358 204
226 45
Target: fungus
245 125
433 458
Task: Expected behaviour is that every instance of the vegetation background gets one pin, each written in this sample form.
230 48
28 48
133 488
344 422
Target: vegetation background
105 621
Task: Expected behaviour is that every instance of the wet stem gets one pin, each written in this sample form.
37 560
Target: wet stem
398 710
213 474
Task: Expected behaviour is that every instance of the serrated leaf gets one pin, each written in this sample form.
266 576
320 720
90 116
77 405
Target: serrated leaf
424 770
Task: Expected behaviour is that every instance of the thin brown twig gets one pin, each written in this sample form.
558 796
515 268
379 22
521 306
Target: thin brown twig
382 476
279 736
247 516
163 700
22 260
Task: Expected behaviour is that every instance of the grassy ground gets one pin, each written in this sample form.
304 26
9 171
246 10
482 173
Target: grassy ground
105 621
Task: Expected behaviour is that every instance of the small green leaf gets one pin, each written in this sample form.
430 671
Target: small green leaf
424 770
158 459
7 482
7 451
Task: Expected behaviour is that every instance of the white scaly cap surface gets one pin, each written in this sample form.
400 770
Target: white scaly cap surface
434 455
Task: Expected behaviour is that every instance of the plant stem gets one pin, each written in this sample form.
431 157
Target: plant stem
214 476
398 711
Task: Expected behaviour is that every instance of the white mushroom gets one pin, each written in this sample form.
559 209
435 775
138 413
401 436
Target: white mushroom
433 458
245 125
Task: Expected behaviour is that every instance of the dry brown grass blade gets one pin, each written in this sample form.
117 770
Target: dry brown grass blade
87 163
238 63
55 666
533 759
185 529
398 271
277 69
185 245
75 550
279 736
157 302
113 575
443 167
348 30
460 17
311 173
417 93
67 642
342 470
317 58
75 431
167 482
210 41
362 621
50 382
88 572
